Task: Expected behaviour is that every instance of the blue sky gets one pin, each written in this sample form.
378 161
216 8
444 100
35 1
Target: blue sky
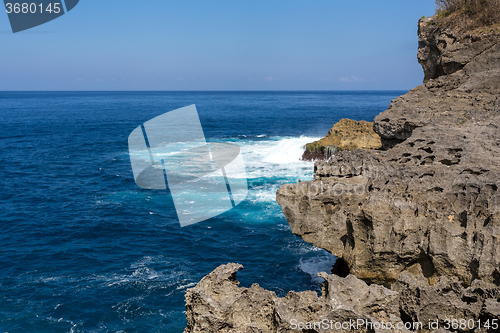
218 45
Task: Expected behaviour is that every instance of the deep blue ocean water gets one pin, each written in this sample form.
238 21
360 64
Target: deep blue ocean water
83 249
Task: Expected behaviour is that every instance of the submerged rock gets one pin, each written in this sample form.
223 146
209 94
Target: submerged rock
347 134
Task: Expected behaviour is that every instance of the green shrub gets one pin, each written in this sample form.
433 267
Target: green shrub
442 14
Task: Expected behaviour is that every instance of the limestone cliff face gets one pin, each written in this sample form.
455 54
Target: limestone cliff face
417 222
446 50
429 204
460 87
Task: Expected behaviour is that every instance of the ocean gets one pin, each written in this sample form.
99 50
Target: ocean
84 249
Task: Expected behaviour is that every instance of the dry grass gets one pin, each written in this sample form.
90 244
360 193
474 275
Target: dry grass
476 13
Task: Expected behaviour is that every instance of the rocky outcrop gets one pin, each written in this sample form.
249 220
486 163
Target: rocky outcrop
347 134
460 86
448 299
423 207
416 223
446 49
218 305
430 204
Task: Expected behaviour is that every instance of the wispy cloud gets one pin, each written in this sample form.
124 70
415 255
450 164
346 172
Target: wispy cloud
269 78
351 79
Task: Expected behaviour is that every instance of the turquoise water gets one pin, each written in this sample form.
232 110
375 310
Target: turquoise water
85 250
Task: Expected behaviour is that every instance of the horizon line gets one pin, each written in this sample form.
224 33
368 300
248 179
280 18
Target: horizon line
221 90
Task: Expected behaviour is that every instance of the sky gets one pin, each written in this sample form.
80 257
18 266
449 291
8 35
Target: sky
218 45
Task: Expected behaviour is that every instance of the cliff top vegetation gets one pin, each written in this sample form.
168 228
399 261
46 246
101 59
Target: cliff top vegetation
469 14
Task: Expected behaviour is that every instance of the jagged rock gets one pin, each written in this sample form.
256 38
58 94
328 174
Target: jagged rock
461 85
429 205
407 210
447 299
217 304
347 134
492 308
444 49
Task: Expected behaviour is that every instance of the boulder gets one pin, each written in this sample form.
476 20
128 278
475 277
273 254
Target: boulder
347 134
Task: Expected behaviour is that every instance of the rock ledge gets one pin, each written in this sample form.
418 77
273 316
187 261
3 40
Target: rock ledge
347 134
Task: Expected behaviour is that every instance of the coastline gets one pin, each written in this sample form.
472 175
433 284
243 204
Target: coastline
417 222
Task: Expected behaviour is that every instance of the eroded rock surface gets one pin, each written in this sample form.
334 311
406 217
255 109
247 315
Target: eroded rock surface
461 85
444 50
447 299
430 204
417 223
218 305
347 134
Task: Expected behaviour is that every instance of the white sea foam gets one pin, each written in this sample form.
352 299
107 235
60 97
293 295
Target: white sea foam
271 163
317 264
287 151
276 158
264 193
189 285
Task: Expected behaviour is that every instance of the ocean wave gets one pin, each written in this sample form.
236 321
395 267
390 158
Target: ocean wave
280 157
269 162
317 264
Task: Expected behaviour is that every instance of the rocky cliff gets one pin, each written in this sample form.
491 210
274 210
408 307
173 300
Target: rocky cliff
417 223
429 204
218 305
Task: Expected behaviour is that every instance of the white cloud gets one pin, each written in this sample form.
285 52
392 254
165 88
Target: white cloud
351 79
